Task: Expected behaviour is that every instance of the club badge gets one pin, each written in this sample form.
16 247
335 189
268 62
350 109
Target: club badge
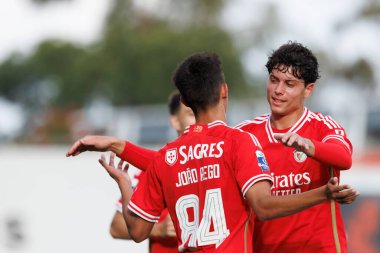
299 156
171 156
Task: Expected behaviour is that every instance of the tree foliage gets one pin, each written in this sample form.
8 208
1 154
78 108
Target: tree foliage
131 64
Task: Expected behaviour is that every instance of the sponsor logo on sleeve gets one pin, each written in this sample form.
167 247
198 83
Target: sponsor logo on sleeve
262 162
299 156
171 156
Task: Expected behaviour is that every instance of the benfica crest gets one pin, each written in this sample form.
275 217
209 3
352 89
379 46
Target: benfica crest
299 156
171 156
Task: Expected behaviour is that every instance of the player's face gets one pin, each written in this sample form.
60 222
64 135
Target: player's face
286 93
185 117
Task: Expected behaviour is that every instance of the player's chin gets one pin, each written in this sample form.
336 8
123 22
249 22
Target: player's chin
278 110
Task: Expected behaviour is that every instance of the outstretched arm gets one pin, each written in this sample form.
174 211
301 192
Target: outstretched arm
137 156
96 143
329 153
269 207
127 151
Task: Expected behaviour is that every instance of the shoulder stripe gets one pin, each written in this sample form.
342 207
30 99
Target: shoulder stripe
254 180
327 120
253 137
138 211
333 121
262 117
247 122
255 140
244 123
321 118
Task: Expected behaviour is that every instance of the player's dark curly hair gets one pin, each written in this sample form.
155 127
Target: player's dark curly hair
198 79
296 58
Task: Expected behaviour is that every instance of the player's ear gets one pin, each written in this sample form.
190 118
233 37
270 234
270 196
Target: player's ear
174 122
224 91
308 90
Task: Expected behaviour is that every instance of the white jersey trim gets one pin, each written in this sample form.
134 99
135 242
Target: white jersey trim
257 120
138 211
253 137
119 207
307 116
254 180
321 118
297 126
210 125
216 123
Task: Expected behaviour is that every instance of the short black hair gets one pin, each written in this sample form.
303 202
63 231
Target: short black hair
300 59
174 102
199 78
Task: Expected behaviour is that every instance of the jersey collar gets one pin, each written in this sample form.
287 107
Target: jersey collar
297 126
201 127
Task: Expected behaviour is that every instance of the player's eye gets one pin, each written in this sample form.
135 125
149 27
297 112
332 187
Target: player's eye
273 79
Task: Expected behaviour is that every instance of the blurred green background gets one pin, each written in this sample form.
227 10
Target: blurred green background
141 42
74 67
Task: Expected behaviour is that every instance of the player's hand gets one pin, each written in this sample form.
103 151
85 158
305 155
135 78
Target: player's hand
96 143
343 194
118 173
299 143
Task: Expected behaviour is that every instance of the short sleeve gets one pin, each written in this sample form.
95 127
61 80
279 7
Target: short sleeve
250 165
147 201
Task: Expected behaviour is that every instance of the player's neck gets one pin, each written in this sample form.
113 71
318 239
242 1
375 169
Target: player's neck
281 122
211 115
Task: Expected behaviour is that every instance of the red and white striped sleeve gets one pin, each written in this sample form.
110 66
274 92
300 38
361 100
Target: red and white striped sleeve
249 162
147 201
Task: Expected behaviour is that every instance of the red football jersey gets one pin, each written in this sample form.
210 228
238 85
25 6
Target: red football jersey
316 229
202 178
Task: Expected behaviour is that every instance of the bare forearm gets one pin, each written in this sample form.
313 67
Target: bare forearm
290 204
126 193
118 228
138 229
269 207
